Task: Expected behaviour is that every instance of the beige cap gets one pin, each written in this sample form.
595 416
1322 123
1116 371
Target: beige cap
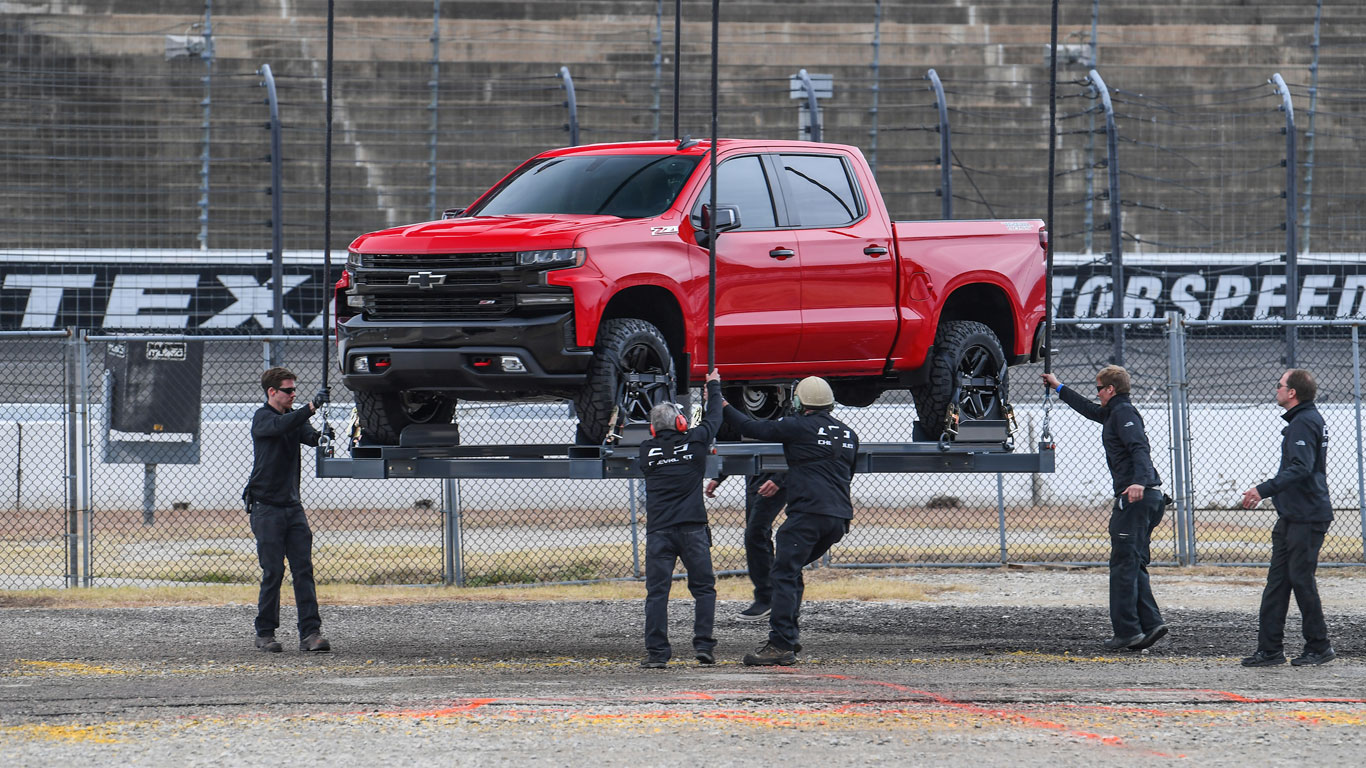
814 392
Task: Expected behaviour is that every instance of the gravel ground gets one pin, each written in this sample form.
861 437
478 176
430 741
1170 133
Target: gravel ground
998 667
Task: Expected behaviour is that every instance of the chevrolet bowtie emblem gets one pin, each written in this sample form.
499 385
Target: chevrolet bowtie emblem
426 280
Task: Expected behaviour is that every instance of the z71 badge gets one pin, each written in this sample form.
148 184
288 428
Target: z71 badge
664 230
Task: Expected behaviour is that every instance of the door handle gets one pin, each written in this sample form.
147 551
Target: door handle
875 251
782 253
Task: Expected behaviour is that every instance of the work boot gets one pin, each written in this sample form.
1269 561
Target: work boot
757 611
268 643
1309 658
315 643
654 662
704 656
769 656
1264 659
1151 636
1116 643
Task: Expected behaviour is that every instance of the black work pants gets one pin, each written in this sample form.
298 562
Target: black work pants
801 540
282 533
1132 607
1294 558
690 543
760 512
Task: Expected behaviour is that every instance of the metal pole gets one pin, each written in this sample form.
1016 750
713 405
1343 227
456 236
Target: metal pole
434 120
448 534
1176 380
87 449
678 57
635 529
277 265
658 41
877 88
1044 432
1001 515
18 465
571 104
1186 507
327 222
813 123
711 223
945 149
1356 404
1116 221
205 126
1089 205
1292 267
73 562
149 493
1309 135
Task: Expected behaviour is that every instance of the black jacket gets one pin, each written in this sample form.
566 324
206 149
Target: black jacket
1300 488
820 452
275 440
1126 444
674 464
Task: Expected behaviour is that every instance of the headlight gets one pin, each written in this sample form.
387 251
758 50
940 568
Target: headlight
557 258
352 260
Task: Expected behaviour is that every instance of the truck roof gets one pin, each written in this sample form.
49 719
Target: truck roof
700 147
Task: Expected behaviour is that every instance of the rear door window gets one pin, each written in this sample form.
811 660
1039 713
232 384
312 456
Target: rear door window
820 190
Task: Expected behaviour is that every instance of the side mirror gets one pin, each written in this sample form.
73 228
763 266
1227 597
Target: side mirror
452 213
727 218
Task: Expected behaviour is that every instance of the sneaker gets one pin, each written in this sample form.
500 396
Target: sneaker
654 662
315 643
769 656
1153 635
1264 659
705 657
757 611
1309 658
1116 643
268 643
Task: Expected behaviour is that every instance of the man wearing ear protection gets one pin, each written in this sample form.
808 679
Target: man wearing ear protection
820 451
674 461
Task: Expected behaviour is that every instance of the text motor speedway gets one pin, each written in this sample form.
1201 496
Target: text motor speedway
192 290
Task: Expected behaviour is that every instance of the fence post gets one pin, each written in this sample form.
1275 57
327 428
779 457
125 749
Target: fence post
635 528
877 87
205 126
277 269
813 123
945 148
1001 515
1176 385
1292 266
572 105
1356 404
434 118
86 450
453 569
73 560
1116 220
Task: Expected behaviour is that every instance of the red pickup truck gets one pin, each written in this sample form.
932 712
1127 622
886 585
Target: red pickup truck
583 275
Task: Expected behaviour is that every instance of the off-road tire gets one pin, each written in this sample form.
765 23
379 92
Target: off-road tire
962 348
624 345
383 415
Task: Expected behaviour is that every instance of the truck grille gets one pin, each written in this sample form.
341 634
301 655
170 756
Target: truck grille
399 278
440 261
410 306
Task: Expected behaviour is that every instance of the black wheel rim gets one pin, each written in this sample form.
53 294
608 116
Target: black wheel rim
760 402
978 381
642 357
421 408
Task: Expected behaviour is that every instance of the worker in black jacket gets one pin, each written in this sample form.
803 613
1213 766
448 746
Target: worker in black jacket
765 497
277 514
674 461
1137 509
1303 513
820 451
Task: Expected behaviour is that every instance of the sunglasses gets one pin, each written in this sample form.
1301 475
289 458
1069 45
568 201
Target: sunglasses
286 390
1101 387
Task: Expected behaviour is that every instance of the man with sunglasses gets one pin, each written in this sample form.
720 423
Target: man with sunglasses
277 514
1138 506
1303 513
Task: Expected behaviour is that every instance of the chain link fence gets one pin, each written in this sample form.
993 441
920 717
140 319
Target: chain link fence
94 496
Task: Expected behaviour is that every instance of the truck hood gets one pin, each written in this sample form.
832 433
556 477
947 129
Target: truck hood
483 233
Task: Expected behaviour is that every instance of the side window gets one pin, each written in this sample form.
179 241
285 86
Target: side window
822 192
744 185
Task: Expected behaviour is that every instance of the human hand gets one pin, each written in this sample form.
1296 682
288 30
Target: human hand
710 490
715 376
1251 498
318 400
1134 493
768 489
1050 380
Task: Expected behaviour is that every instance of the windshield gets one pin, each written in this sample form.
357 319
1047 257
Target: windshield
629 186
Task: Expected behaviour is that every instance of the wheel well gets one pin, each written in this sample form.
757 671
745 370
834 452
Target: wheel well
656 306
987 304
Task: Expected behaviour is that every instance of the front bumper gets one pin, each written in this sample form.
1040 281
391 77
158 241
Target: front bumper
462 358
